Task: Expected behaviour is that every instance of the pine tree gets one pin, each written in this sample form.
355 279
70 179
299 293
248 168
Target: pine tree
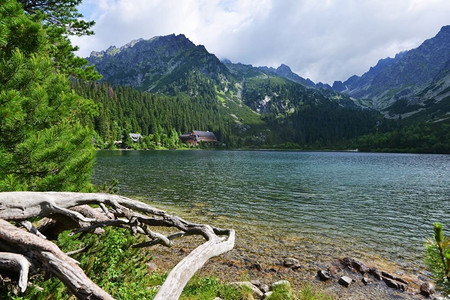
43 144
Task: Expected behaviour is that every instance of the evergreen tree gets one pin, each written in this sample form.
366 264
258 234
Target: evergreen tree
43 144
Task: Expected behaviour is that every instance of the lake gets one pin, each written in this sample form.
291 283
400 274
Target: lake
375 206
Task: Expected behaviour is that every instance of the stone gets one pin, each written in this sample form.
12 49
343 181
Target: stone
333 270
256 283
264 288
255 291
359 266
366 280
291 262
390 282
280 282
375 273
347 261
324 275
267 295
256 266
345 281
151 267
427 289
385 274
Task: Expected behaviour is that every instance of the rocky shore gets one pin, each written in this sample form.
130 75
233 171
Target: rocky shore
341 278
265 257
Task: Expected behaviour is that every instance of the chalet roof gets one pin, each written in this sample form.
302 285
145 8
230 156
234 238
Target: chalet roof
204 133
135 137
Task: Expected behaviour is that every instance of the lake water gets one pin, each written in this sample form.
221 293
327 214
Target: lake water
381 204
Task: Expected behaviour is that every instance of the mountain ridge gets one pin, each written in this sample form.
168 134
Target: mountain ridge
404 77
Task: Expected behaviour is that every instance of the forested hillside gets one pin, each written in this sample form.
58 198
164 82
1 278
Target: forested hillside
179 87
160 119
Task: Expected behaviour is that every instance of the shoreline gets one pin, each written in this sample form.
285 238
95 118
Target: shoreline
260 257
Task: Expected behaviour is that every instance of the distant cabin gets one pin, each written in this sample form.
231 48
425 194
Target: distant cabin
195 137
135 137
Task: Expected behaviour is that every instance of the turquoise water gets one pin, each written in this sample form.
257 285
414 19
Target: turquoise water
382 202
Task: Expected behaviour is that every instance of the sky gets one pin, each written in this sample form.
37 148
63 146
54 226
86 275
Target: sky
324 40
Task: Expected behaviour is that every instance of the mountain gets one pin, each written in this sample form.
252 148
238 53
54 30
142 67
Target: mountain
256 105
409 83
161 64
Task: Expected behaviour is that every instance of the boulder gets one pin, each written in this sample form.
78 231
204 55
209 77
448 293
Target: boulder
427 289
345 281
324 275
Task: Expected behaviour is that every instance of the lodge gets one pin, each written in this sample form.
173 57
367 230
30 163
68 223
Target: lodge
195 137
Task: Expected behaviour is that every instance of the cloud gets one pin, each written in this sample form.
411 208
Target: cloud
324 40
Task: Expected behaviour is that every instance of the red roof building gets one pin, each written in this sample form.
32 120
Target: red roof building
195 137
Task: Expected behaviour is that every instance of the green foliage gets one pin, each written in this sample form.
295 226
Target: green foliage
110 262
160 119
438 256
43 144
429 137
62 19
310 293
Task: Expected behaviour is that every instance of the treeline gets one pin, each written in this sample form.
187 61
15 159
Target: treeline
326 125
160 119
418 138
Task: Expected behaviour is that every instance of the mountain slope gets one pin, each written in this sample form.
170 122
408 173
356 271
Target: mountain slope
405 77
257 105
161 64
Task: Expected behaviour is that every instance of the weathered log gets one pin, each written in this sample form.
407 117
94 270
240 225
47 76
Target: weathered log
113 211
56 261
186 268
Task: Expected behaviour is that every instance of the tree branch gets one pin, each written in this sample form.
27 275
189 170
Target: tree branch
115 211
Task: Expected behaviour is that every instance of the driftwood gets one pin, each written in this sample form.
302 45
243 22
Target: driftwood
25 249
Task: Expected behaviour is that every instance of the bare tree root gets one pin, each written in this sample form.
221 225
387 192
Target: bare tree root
26 249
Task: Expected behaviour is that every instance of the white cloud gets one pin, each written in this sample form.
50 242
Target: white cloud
324 40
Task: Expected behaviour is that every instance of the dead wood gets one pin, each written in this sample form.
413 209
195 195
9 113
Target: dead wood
63 210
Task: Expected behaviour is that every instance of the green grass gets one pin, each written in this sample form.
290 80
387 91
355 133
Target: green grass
122 272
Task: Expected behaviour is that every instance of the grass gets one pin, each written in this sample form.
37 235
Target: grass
122 272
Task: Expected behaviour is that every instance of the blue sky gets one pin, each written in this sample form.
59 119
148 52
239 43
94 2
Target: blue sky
324 40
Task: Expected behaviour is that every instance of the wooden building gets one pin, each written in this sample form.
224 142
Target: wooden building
195 137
